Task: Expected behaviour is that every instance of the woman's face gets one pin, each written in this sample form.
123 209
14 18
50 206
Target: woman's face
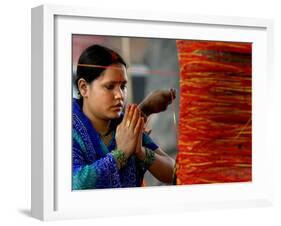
106 95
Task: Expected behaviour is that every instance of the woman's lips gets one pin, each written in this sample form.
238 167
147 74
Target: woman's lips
118 106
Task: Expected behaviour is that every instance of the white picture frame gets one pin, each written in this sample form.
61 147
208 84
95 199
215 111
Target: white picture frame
52 197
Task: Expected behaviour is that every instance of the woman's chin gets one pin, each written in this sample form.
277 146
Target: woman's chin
116 114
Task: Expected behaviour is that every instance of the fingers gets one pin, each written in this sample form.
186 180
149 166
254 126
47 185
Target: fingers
131 116
170 95
173 93
128 132
135 116
126 113
139 126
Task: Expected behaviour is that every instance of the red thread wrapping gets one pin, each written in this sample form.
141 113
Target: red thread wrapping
215 126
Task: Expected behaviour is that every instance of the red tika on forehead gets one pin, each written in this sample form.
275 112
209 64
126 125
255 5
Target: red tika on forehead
114 56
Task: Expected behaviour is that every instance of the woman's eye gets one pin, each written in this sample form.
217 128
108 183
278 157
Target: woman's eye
123 86
109 87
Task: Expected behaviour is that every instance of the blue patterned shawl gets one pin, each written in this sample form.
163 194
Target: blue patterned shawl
93 165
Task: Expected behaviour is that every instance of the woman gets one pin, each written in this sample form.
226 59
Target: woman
110 148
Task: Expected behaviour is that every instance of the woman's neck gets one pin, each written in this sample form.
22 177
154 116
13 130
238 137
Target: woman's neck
100 125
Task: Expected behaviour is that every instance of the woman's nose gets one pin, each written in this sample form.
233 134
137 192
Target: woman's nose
119 94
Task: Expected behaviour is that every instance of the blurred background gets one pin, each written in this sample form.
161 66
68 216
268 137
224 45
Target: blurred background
152 65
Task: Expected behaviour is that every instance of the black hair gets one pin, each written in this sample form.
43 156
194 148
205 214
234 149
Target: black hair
93 61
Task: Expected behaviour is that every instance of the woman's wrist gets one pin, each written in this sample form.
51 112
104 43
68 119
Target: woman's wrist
148 158
120 158
141 154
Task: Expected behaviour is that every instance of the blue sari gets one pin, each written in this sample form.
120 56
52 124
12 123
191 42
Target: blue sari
93 165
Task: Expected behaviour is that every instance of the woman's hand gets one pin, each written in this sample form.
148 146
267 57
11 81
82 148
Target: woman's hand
157 101
140 151
129 130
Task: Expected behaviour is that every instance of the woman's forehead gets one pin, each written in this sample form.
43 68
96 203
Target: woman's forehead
115 72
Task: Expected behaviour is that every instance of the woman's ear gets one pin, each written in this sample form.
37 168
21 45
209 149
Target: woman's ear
83 87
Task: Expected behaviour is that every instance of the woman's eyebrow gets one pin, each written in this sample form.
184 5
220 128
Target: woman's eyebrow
115 82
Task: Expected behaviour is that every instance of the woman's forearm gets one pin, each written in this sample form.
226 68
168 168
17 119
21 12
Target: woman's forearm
162 167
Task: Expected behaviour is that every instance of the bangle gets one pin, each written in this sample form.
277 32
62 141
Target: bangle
120 158
149 158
